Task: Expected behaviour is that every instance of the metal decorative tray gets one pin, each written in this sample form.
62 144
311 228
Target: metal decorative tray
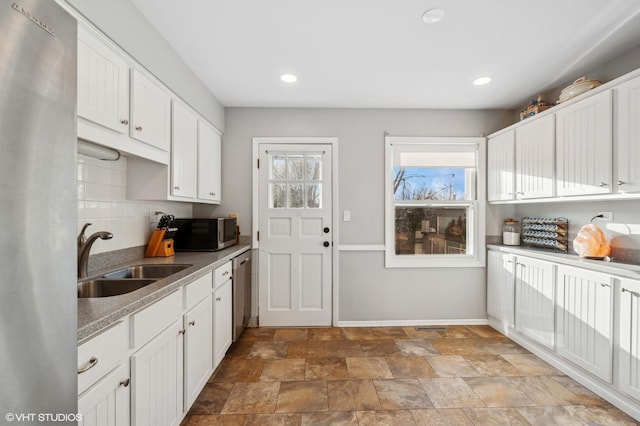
546 232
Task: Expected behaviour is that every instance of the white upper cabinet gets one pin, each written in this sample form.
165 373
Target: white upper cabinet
584 146
500 167
535 144
209 163
150 112
103 83
184 141
628 122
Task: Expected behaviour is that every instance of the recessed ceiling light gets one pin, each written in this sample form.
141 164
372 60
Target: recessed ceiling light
432 16
480 81
288 78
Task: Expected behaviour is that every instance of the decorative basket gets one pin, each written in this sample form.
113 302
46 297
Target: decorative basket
578 87
535 107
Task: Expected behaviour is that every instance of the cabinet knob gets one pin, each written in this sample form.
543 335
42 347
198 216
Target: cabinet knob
139 128
604 184
620 182
177 188
125 382
93 361
326 244
218 299
192 322
124 121
212 193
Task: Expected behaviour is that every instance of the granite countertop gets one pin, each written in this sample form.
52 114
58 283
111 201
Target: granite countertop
95 314
611 267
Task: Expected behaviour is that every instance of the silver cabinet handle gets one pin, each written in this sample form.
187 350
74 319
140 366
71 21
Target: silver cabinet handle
192 322
125 382
124 121
139 128
212 193
177 188
509 261
604 184
218 298
633 293
93 361
620 183
181 332
605 285
225 273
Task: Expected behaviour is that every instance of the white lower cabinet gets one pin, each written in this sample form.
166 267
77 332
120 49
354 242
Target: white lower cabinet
534 300
585 320
157 375
629 344
198 349
108 402
500 286
222 313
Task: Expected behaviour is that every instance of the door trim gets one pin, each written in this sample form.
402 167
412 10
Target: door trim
255 210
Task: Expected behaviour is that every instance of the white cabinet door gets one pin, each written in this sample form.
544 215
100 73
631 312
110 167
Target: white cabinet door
222 321
157 375
585 319
500 167
500 286
198 347
108 402
209 163
103 83
535 303
535 145
629 351
628 113
583 146
150 112
184 142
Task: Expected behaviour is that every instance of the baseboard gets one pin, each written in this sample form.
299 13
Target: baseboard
405 323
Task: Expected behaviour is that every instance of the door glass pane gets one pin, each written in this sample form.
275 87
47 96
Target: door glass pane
295 165
296 195
314 167
314 192
277 167
277 195
431 230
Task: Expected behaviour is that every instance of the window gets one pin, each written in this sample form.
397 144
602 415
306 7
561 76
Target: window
295 180
434 199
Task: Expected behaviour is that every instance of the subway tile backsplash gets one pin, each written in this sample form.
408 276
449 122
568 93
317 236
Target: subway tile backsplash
102 201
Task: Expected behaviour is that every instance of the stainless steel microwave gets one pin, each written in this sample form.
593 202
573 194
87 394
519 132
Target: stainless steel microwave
207 234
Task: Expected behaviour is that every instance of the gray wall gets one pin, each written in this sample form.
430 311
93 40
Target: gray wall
368 291
121 21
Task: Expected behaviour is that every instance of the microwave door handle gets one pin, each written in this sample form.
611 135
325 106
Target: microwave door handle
220 232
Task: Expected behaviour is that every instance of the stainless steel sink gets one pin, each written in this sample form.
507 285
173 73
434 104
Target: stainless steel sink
110 287
155 271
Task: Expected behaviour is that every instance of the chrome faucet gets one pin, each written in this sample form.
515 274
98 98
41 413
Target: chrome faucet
84 246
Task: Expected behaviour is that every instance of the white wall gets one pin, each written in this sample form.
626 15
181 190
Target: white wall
121 21
368 291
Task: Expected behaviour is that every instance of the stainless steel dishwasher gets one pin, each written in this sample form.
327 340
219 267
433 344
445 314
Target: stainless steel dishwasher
241 293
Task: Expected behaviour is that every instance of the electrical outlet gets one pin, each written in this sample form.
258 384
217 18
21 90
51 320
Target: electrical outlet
606 216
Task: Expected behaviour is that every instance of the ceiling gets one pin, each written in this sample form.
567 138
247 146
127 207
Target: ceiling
380 53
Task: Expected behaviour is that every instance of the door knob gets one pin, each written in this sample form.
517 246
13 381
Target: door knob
326 230
326 244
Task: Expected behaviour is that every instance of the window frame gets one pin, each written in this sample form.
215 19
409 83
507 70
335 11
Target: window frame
476 236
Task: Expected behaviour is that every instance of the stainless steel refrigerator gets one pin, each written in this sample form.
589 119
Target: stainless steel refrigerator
38 293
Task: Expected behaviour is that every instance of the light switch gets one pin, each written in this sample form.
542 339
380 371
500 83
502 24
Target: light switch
346 216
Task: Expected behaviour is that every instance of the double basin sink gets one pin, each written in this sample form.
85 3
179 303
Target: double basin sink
126 280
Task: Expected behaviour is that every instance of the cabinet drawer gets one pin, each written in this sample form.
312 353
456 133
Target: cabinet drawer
197 290
222 274
98 355
155 318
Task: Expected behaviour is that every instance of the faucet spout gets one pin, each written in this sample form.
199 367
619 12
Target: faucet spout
84 247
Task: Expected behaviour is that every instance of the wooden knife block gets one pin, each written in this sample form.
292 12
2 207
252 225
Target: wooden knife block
158 247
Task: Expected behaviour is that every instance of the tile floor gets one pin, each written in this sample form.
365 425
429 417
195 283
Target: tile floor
463 375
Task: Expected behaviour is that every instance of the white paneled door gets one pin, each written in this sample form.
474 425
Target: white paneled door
295 234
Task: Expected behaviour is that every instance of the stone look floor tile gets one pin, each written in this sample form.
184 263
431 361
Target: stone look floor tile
330 419
215 420
484 331
343 349
326 369
496 416
416 333
416 347
409 367
543 416
211 399
457 332
263 334
239 349
329 333
269 350
493 365
256 397
239 370
368 368
450 392
498 392
290 334
584 395
383 333
307 349
380 348
543 390
302 397
352 395
606 416
385 418
401 394
531 365
280 370
441 417
357 333
278 419
452 366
